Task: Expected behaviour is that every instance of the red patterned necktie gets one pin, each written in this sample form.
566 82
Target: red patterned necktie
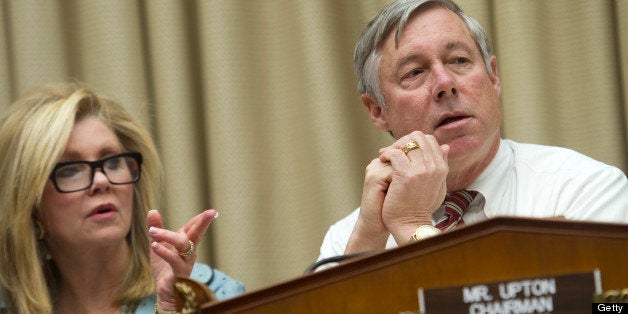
455 203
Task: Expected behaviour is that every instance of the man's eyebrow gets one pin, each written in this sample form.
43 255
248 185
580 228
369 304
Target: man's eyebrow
453 45
407 59
450 46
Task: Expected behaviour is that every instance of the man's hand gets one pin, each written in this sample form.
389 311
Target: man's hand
401 191
418 184
370 233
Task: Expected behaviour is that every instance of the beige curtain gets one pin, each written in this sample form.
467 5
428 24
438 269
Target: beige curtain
254 106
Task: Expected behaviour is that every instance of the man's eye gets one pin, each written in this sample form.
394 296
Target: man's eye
460 60
413 73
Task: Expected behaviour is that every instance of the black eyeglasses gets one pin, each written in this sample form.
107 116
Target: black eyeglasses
77 176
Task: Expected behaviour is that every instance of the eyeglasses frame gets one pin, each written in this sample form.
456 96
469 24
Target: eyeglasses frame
98 164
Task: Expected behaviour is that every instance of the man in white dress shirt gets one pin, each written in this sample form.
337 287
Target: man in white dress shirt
427 76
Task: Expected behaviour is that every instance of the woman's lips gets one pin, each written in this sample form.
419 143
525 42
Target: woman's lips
104 211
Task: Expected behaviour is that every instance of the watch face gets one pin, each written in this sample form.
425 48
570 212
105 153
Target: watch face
426 231
423 232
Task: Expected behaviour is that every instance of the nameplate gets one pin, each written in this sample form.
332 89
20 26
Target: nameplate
570 293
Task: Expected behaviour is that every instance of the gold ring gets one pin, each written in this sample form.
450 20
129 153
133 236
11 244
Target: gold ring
410 146
188 252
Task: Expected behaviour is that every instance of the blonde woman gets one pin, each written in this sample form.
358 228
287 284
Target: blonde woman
79 177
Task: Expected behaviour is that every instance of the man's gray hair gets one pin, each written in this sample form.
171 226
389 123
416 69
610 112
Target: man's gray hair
367 57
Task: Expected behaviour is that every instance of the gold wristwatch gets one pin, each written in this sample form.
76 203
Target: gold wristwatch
424 232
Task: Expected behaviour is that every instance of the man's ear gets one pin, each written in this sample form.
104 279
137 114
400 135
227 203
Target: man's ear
376 112
495 77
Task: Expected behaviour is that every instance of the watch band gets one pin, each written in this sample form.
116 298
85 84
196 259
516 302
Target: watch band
159 310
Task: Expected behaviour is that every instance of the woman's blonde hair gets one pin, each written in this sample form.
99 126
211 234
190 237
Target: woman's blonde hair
34 132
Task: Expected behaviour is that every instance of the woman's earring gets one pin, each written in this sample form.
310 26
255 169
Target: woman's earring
40 232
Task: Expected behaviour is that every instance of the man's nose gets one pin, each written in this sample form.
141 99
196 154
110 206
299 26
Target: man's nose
444 84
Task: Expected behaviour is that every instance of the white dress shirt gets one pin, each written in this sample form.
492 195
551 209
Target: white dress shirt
528 180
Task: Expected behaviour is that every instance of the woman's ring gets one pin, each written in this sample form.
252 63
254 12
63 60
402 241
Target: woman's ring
188 252
410 146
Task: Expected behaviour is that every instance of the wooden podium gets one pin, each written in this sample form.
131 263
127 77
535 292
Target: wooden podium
494 250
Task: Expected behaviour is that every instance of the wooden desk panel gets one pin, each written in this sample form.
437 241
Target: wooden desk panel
495 250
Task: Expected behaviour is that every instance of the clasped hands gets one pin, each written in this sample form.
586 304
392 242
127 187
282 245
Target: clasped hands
401 191
172 253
